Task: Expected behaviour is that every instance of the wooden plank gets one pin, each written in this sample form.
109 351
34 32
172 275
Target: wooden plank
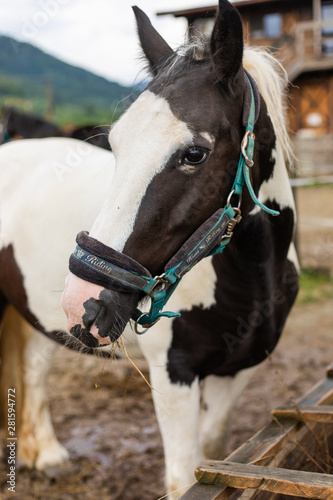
323 414
320 394
268 441
308 452
207 492
284 481
264 446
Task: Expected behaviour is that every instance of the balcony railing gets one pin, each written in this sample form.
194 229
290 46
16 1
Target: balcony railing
307 47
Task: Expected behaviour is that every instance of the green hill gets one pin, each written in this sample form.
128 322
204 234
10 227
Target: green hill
34 81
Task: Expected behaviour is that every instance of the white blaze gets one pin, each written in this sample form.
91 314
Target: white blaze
143 140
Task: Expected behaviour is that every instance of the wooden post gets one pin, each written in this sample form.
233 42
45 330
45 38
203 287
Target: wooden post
317 33
317 10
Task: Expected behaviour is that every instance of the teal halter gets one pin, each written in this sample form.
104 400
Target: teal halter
210 239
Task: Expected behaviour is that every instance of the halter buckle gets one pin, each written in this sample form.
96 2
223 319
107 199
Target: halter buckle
159 296
231 225
159 281
245 143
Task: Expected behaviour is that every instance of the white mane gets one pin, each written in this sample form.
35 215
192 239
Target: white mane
272 81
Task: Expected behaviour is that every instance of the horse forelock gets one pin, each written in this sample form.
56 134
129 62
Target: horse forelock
196 50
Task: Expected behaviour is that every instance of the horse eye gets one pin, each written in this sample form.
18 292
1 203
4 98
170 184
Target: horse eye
195 156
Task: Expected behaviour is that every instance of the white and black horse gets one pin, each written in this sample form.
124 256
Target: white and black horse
204 144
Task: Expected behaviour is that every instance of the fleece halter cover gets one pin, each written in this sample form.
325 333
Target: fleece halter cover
97 263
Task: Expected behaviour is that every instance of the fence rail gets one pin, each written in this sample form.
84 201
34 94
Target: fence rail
269 463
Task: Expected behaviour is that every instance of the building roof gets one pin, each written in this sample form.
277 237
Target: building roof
210 11
189 12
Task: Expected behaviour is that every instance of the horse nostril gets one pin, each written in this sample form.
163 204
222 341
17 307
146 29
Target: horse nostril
94 309
100 314
108 315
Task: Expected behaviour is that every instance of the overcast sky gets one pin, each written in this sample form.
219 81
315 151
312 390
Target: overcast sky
98 35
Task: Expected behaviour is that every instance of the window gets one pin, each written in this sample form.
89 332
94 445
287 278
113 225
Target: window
327 30
327 15
273 25
267 26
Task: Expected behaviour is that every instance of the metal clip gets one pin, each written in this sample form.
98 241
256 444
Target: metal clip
245 142
145 326
232 192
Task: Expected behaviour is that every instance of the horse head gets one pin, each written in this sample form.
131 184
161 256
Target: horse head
177 151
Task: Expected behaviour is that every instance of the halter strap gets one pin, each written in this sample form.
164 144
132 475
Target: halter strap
247 152
251 90
97 263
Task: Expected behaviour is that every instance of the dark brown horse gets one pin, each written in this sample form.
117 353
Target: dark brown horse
18 125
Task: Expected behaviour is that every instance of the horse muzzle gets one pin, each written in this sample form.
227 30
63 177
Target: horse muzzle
96 316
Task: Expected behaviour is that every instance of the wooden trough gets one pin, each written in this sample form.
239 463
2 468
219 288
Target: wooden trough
289 458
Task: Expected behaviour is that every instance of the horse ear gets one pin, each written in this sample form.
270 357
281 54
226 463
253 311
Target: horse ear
153 45
227 42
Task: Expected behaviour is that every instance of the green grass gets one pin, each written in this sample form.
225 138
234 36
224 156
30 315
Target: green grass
65 114
77 115
317 185
315 285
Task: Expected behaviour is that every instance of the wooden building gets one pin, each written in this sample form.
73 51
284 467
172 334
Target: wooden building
300 34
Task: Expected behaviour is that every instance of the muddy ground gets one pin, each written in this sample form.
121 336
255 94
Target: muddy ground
111 432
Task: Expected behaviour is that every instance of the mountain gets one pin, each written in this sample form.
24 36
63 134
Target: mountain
28 74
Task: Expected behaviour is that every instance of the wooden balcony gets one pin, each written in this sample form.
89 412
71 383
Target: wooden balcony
307 47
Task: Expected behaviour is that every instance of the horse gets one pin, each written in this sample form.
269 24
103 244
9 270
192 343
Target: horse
198 213
94 134
18 125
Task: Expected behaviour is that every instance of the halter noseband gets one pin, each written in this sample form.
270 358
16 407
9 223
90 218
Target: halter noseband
95 262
